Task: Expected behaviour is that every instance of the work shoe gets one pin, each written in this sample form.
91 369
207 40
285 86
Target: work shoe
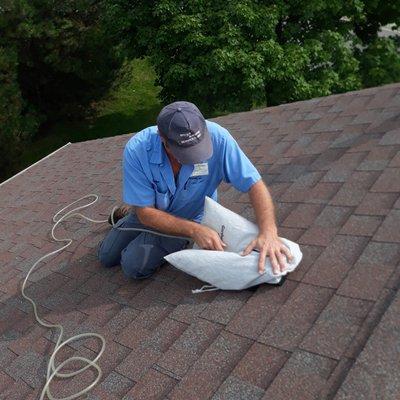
119 213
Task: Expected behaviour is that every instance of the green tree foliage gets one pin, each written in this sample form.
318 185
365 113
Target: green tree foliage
55 60
64 58
16 122
380 62
234 54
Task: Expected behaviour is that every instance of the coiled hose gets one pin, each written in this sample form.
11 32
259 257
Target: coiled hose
52 369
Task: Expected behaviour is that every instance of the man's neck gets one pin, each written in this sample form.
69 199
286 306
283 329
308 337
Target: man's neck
175 164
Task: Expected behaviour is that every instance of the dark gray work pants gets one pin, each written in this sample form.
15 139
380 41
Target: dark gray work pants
138 253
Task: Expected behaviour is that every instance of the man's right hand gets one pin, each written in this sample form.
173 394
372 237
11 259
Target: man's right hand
207 238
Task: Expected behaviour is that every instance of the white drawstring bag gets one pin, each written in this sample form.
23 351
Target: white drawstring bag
229 270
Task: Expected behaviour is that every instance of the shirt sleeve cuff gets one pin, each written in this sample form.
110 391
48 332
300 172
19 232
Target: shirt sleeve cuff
250 182
137 203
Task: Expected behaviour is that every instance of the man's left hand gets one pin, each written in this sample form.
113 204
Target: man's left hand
270 246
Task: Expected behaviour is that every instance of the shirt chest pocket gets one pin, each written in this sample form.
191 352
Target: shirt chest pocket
162 200
162 196
193 184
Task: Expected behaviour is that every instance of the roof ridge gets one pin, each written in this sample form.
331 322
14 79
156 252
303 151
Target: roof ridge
32 165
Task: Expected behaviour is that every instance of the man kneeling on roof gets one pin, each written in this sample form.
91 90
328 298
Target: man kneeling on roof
168 170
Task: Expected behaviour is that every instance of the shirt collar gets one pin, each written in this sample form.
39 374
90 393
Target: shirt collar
157 151
159 157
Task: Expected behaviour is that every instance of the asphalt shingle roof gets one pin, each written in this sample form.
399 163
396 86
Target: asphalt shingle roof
330 332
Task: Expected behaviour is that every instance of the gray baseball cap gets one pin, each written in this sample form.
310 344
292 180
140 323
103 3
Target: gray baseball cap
184 127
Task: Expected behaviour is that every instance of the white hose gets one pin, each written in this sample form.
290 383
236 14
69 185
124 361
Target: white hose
52 370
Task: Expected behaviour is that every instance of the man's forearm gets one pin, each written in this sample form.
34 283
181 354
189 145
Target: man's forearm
165 222
264 209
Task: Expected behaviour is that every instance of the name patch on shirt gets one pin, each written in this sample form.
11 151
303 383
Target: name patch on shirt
200 169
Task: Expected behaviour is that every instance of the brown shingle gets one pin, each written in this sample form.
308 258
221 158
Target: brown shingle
296 317
336 327
332 165
212 368
332 265
375 372
254 316
302 377
260 365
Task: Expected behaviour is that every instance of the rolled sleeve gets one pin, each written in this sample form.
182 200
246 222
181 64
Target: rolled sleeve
137 188
238 170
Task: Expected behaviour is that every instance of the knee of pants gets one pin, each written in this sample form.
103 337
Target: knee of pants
140 263
106 258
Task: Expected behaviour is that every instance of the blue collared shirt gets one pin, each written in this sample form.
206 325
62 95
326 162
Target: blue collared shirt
148 179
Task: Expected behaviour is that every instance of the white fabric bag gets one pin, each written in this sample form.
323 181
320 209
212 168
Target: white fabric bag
228 269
